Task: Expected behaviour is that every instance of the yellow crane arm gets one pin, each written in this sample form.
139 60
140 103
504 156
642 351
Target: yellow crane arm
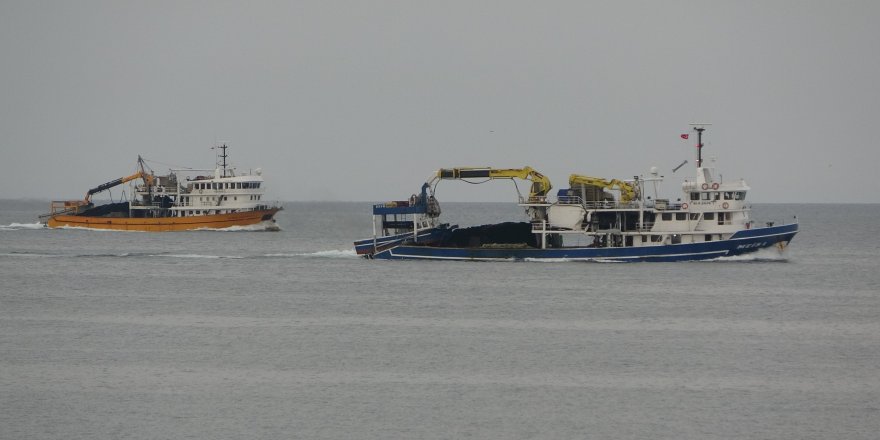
540 183
148 178
627 191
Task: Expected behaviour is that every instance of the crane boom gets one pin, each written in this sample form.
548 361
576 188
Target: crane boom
103 187
540 183
627 191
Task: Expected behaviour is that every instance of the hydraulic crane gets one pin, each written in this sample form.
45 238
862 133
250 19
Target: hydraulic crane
540 183
627 191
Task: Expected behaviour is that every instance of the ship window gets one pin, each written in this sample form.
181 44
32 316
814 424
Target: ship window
628 241
695 196
258 184
676 238
667 216
680 216
728 195
716 196
695 216
235 198
656 238
708 237
225 198
740 195
704 196
237 185
644 239
709 216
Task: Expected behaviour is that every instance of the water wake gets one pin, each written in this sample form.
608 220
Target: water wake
22 226
267 226
345 253
762 255
330 254
213 257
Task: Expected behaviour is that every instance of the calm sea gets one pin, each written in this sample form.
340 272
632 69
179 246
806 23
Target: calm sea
277 335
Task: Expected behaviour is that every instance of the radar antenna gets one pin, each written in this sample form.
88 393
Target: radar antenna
222 156
699 128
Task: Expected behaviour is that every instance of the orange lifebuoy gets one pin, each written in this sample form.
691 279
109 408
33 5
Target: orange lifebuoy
705 186
725 205
715 185
684 206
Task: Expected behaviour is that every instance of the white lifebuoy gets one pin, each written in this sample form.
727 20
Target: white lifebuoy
725 205
705 186
684 206
715 185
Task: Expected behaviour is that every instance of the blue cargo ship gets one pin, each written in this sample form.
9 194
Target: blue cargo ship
594 219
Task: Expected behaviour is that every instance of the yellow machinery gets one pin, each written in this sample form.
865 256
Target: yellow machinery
140 174
627 191
540 183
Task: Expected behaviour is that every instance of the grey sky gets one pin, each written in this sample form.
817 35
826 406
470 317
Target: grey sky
362 100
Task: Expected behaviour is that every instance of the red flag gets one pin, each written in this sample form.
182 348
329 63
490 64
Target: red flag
684 136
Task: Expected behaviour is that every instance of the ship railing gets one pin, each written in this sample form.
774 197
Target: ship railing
604 204
646 226
533 200
569 200
146 205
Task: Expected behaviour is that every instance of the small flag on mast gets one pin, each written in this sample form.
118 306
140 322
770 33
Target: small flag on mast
684 136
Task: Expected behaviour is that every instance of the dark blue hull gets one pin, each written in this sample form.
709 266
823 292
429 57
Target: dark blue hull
742 242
